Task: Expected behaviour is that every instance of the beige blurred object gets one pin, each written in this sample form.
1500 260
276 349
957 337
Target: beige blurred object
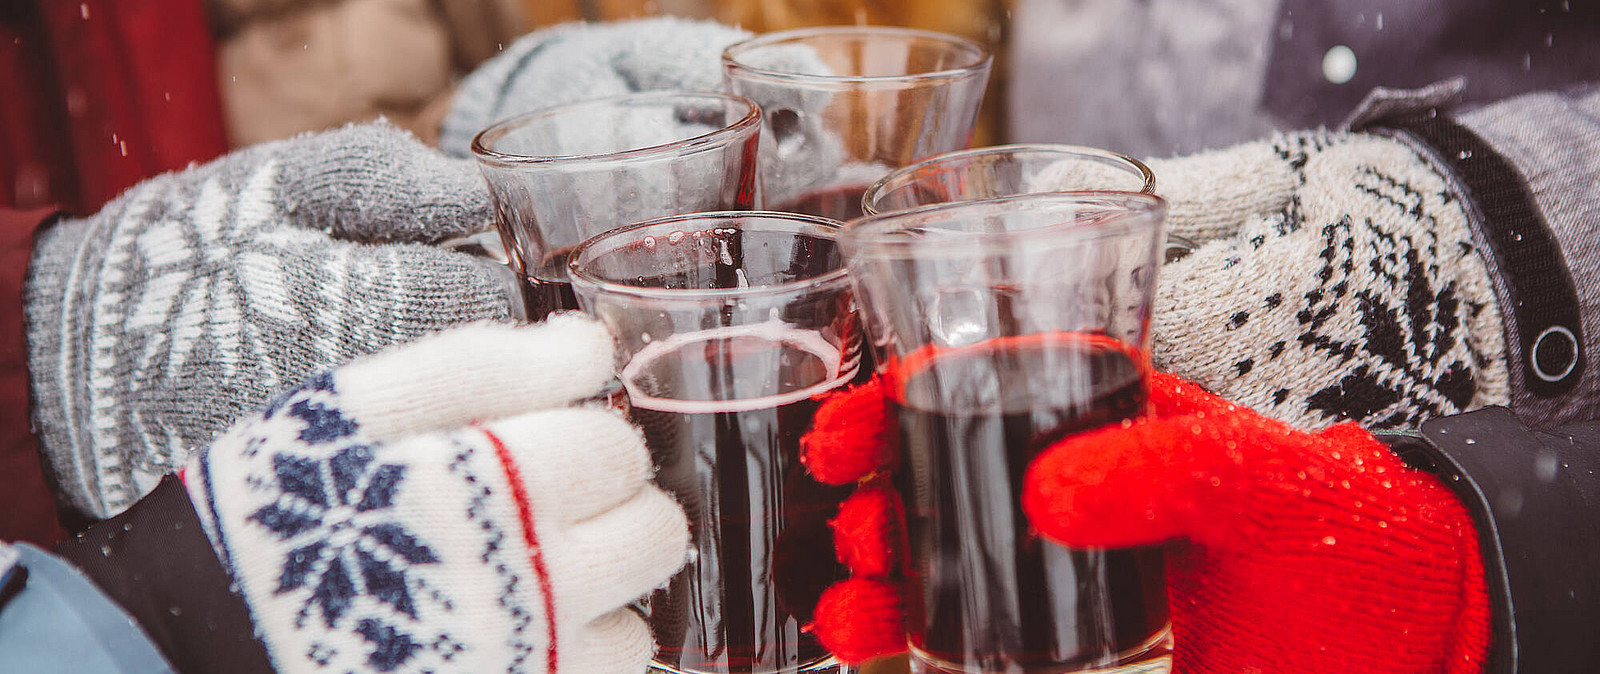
986 21
290 66
899 664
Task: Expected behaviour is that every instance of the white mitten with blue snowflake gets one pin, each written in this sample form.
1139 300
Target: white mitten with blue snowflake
450 505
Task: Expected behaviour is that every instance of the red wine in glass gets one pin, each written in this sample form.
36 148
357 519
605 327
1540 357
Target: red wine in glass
839 202
722 412
546 289
986 593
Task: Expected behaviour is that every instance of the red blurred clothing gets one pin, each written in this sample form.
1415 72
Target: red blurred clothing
99 95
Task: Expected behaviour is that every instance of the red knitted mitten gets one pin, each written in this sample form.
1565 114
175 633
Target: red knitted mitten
860 618
1300 552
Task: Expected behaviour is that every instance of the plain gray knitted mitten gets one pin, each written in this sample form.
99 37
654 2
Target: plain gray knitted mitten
196 295
1338 280
578 61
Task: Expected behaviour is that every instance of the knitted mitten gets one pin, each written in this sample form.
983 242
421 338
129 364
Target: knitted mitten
192 298
446 507
1339 281
1299 551
577 61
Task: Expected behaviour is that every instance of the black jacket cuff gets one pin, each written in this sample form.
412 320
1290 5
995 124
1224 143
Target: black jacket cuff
155 561
1535 497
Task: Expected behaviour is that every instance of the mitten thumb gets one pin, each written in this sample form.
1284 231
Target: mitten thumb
1211 194
375 183
1150 481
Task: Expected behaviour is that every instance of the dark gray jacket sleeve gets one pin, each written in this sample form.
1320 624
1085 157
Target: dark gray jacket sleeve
1535 497
1552 142
1529 167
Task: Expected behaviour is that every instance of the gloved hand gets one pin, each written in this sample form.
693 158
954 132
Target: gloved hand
1291 551
156 323
1337 280
1301 552
446 506
577 61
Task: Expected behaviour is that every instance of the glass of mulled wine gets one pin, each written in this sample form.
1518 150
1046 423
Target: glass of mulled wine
730 325
844 105
1003 171
561 175
1002 326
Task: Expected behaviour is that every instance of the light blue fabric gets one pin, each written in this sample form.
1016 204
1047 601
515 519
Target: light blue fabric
60 622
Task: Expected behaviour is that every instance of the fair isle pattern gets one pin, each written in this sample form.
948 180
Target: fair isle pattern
193 298
345 549
500 554
1363 300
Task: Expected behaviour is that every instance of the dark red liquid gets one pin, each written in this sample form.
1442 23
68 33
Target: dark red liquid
546 290
763 551
838 203
987 593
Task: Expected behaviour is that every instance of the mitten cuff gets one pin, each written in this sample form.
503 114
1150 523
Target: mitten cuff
49 303
27 512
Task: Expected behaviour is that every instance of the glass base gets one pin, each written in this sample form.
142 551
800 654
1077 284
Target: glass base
829 666
1151 657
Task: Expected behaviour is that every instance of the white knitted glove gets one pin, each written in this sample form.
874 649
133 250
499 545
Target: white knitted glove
1340 282
192 298
445 506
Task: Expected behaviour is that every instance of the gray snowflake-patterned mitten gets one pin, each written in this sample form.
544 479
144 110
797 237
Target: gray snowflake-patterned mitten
156 323
1338 280
448 505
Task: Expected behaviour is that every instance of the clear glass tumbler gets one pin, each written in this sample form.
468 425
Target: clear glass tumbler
1003 171
1005 325
842 106
561 175
730 325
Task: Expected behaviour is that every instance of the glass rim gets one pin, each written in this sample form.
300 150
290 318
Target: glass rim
983 60
904 174
481 150
835 277
869 235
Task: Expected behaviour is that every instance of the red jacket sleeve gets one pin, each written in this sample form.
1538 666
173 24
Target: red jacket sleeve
27 510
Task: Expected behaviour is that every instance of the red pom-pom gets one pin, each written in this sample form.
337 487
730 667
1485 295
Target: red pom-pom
849 436
869 532
860 619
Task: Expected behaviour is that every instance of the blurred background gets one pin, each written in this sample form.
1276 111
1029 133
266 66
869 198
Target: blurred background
96 95
100 94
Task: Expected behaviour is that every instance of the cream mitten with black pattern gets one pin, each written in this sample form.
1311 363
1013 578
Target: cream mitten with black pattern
156 323
448 505
1337 280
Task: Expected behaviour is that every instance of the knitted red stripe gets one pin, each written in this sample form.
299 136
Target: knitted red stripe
519 493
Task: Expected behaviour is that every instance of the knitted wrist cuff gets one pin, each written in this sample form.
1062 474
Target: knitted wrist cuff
45 303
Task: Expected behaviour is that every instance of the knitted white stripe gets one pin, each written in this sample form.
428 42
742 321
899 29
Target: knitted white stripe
331 306
68 367
103 338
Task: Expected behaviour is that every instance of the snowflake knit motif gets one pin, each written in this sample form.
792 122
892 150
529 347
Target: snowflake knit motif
334 551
